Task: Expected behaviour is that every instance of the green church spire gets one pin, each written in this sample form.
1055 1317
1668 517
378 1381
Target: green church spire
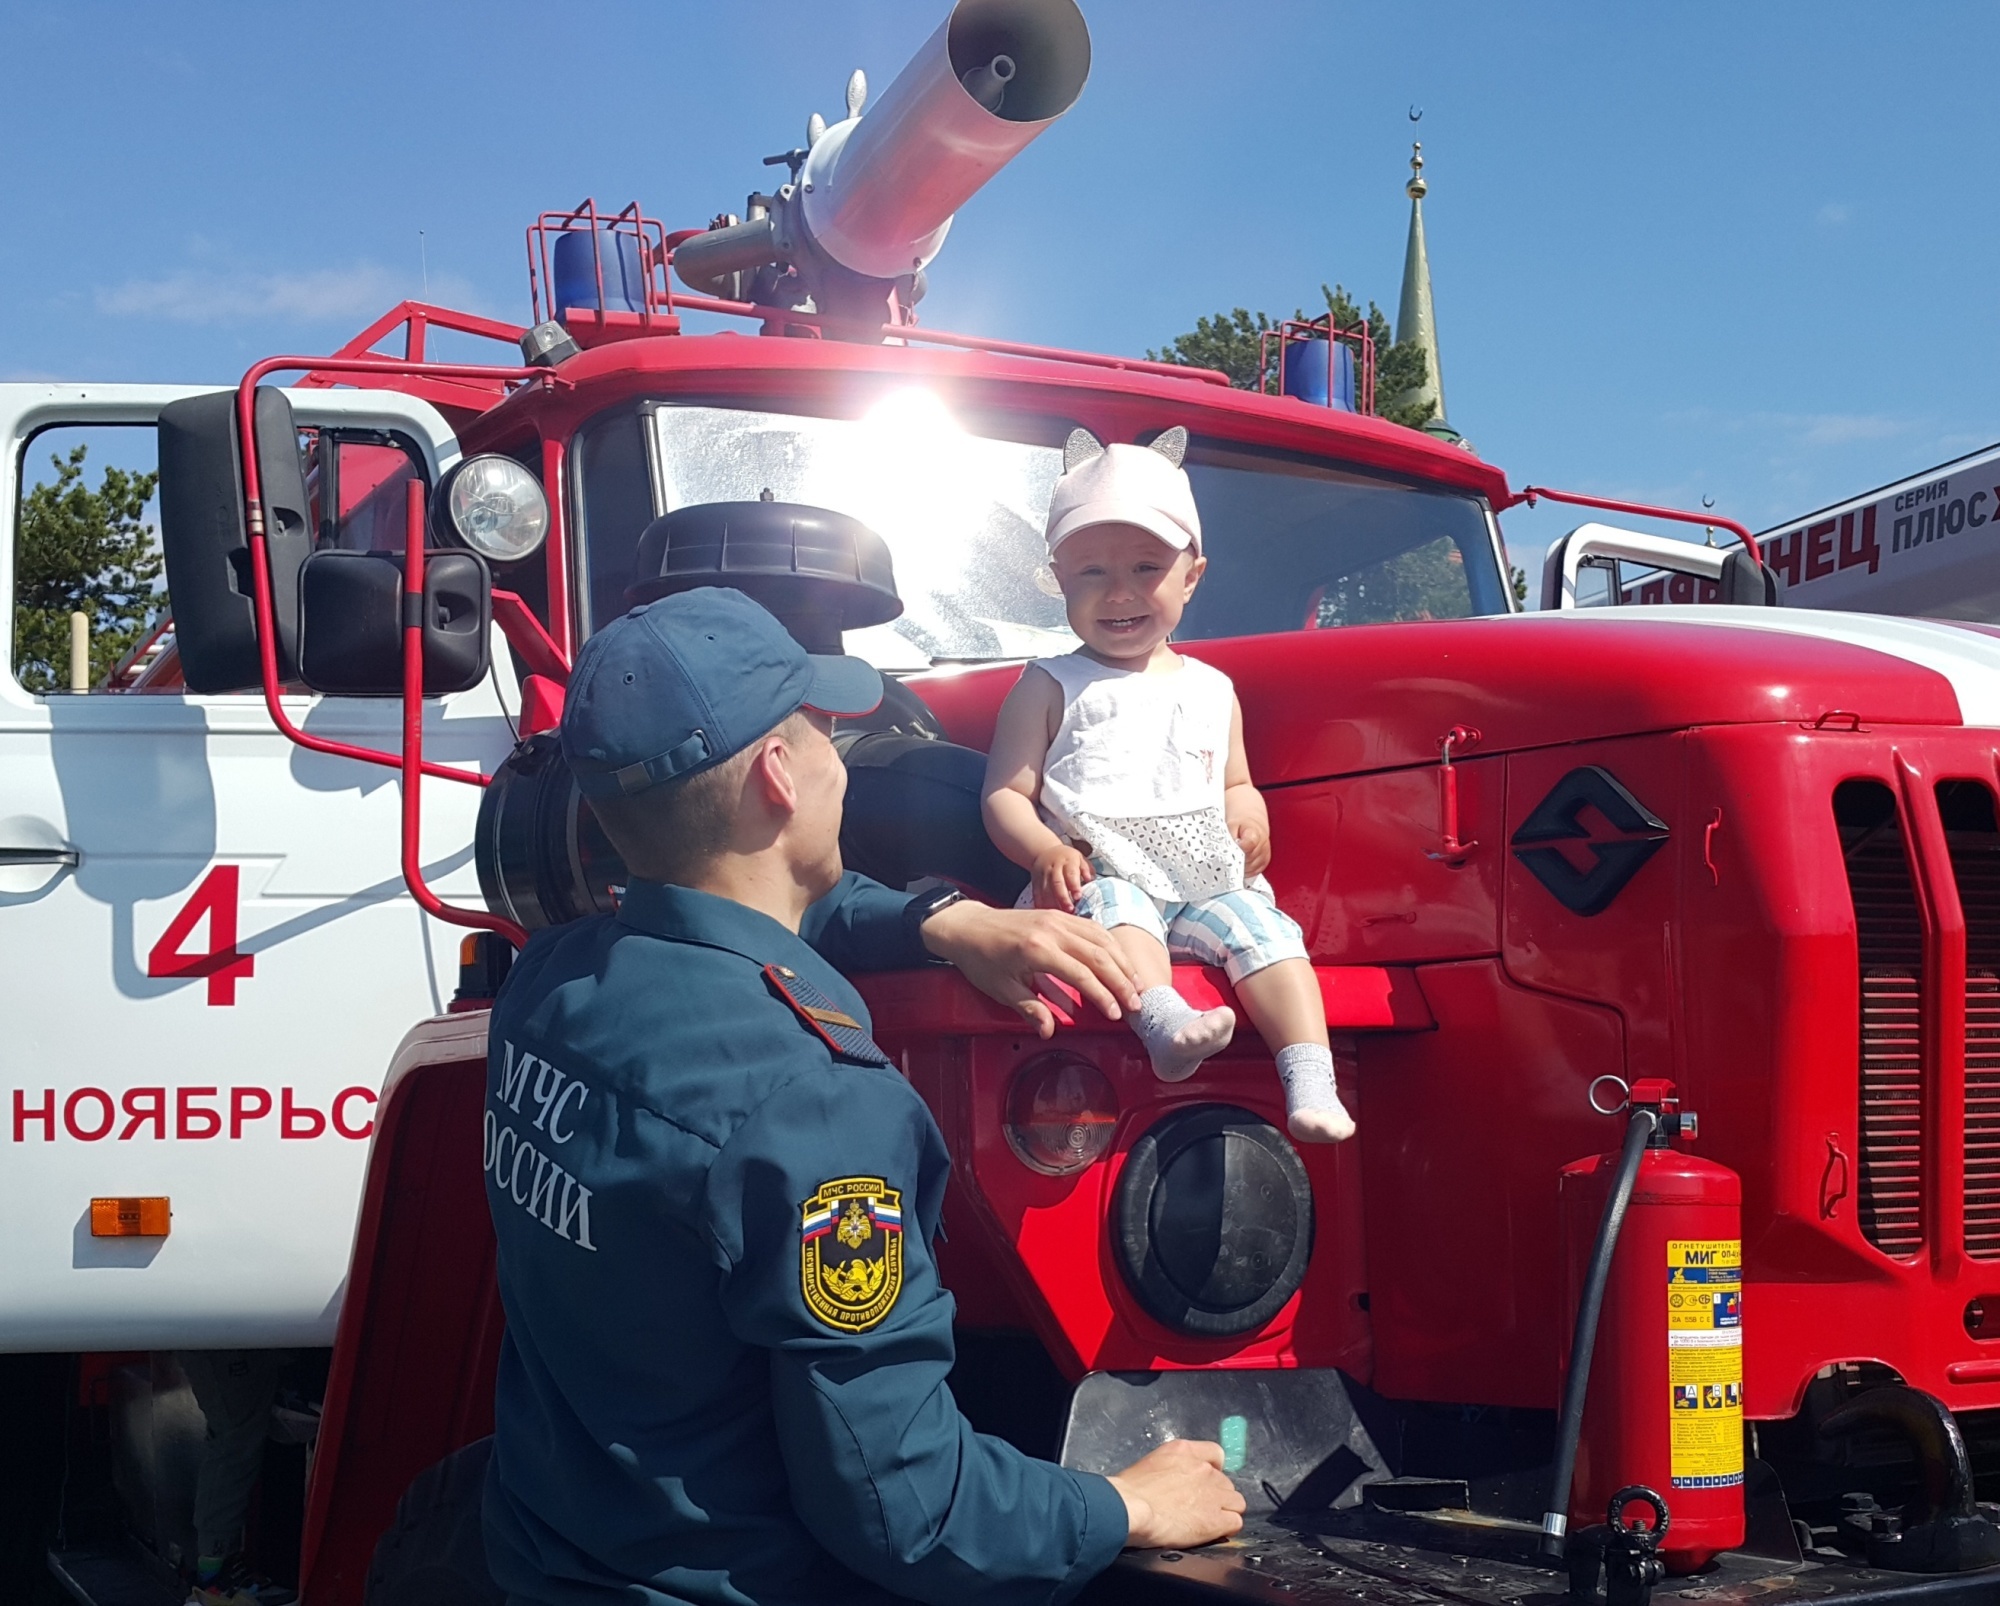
1415 319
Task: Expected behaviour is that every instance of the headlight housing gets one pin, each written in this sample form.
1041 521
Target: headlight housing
1061 1114
494 506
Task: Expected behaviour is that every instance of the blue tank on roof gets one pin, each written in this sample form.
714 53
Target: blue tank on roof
1321 372
575 272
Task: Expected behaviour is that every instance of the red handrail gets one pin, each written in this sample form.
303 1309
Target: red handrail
683 302
539 650
1530 493
260 567
413 736
416 319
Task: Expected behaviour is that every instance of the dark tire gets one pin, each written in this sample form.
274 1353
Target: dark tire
435 1555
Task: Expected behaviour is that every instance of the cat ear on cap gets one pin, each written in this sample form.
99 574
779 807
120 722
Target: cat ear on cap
1081 447
1171 444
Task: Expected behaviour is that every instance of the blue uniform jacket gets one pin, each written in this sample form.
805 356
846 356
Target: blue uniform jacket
724 1370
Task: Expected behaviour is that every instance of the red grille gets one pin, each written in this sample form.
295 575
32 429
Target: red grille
1890 942
1892 1110
1973 838
1982 1115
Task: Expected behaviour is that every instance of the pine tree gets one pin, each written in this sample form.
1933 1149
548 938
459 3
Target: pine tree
1231 343
80 550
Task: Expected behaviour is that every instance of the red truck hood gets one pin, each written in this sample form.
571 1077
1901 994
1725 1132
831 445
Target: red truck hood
1374 697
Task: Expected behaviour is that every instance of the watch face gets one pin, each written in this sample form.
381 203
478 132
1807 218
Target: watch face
926 904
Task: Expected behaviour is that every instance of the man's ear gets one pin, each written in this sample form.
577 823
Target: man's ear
772 775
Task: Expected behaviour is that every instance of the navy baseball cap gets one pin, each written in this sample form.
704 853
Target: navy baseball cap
679 685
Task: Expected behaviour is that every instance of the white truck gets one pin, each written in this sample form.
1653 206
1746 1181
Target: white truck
209 948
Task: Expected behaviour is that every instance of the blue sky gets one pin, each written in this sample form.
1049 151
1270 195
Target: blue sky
1679 250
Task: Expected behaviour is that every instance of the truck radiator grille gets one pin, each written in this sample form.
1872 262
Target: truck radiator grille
1890 939
1973 838
1982 1114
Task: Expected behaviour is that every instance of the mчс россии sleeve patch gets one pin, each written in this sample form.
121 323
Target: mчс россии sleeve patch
851 1252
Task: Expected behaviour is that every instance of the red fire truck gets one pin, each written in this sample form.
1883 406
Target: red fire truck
1661 945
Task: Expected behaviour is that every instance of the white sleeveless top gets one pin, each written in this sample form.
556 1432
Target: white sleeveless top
1134 776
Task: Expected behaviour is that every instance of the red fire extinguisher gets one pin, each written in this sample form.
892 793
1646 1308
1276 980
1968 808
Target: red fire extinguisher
1652 1242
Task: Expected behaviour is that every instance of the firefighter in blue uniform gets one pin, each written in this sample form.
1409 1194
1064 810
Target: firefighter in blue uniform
724 1370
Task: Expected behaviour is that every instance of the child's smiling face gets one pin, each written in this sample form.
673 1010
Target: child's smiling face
1125 589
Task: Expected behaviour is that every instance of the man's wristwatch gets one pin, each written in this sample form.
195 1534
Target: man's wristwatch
922 907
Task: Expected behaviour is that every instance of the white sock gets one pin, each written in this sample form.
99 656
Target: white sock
1313 1110
1176 1035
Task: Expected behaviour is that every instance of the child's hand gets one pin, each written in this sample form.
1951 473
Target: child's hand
1253 836
1059 878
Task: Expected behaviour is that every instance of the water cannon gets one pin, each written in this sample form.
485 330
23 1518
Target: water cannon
871 198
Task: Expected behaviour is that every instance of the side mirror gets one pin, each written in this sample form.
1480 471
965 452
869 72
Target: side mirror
1747 582
206 544
351 622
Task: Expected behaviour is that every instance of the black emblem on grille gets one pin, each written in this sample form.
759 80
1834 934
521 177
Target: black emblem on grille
1588 892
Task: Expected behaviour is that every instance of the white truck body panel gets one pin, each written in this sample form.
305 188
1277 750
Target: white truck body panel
114 1081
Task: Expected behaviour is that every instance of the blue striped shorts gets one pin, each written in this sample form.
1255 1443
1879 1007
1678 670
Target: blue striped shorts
1240 931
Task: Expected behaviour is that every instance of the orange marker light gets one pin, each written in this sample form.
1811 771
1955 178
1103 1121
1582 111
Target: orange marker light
130 1218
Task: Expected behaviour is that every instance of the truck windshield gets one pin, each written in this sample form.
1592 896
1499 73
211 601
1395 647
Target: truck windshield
1294 543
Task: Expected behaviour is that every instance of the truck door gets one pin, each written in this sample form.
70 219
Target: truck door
208 949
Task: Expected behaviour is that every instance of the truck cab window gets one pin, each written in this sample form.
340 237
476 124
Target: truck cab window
1297 543
1300 544
87 542
357 480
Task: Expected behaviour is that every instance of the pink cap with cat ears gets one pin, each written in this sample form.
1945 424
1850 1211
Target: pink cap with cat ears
1142 485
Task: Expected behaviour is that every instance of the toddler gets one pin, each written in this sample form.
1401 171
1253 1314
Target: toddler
1117 779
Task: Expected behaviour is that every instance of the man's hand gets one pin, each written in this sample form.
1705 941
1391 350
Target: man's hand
1010 954
1178 1496
1059 877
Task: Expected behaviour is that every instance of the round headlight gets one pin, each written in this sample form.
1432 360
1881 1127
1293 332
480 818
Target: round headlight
495 506
1060 1114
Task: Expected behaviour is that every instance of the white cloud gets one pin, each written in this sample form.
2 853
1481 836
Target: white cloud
1835 213
1843 429
1817 430
347 294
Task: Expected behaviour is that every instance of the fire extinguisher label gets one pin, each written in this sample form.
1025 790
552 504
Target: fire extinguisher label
1705 1361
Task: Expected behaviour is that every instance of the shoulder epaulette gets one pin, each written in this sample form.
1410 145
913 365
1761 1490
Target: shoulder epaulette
833 1026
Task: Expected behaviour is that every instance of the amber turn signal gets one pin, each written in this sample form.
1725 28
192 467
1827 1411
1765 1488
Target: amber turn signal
129 1218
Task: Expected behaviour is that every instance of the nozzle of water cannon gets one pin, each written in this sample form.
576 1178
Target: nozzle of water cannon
988 84
872 197
878 192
